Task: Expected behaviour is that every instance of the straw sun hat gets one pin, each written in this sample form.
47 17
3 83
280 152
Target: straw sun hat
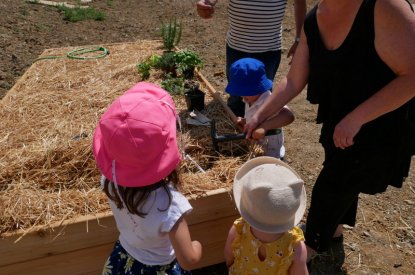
269 195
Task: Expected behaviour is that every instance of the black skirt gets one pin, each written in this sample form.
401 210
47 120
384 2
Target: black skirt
368 170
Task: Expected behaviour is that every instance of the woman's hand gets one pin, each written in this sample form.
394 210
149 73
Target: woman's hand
205 8
345 131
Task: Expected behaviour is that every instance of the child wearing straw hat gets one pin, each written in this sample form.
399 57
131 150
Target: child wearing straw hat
271 198
135 149
248 79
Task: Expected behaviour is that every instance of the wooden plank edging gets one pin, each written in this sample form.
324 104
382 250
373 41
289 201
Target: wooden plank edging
96 230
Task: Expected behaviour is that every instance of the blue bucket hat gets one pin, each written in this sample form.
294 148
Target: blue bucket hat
247 78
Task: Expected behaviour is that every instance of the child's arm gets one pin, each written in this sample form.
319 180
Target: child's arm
299 264
283 118
188 252
229 258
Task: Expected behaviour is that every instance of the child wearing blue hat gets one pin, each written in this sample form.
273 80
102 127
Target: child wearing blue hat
248 80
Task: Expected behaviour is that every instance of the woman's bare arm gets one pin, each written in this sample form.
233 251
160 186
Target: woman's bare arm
285 90
395 44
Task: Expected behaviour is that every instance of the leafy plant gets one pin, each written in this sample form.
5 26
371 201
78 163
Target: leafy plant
178 68
144 69
154 60
186 62
151 62
167 63
171 33
174 85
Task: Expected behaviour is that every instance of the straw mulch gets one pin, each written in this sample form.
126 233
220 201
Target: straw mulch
48 173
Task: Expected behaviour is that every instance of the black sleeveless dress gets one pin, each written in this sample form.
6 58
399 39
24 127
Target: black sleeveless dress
340 80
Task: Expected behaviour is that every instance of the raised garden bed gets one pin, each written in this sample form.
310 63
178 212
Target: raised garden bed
54 215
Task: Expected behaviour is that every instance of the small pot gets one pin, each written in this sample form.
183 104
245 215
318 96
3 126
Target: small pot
189 73
195 99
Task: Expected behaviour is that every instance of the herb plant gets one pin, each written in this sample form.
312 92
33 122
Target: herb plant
186 62
174 85
144 69
171 33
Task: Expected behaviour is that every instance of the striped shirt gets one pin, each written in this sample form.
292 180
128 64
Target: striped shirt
255 25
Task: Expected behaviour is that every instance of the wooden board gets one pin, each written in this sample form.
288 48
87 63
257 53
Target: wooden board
57 4
82 245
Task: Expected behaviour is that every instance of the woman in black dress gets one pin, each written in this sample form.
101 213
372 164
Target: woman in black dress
358 59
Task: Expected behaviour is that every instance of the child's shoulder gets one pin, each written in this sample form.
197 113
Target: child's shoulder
297 234
239 224
176 195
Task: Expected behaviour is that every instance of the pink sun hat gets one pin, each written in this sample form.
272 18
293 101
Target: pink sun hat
134 143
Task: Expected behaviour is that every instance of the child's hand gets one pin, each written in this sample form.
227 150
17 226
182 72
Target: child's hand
241 121
258 133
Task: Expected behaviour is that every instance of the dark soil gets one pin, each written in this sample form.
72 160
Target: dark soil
383 241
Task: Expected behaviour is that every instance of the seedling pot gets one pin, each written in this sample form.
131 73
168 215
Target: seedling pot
195 99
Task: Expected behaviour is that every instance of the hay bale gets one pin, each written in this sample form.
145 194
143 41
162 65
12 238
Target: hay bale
48 173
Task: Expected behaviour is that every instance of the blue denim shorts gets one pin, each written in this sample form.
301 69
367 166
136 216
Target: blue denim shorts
120 263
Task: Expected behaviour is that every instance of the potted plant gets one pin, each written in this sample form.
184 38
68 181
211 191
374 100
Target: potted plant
186 62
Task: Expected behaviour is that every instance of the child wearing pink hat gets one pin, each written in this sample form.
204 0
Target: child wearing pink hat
271 198
135 149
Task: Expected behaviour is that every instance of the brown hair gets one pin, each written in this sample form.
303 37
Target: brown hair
135 197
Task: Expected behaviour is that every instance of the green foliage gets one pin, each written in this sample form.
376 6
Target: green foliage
186 62
171 34
167 63
174 85
144 69
78 14
154 60
178 67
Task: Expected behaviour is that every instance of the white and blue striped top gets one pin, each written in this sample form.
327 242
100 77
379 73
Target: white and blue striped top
255 25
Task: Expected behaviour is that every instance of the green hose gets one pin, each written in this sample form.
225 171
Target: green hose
77 54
